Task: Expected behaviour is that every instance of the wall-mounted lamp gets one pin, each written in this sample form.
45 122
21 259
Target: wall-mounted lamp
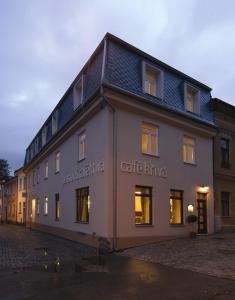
203 188
190 208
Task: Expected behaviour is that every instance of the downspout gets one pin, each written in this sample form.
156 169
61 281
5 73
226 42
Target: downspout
114 141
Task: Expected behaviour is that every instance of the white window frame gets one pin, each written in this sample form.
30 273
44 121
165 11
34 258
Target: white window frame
46 206
188 146
54 122
150 134
44 135
196 98
46 169
159 84
57 161
78 97
82 140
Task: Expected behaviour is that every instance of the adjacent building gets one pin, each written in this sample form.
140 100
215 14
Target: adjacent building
10 195
21 196
127 154
224 164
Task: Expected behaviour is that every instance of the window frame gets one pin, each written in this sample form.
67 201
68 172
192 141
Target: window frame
57 207
150 195
181 198
46 206
226 163
148 132
78 99
80 135
229 204
57 161
196 98
44 135
46 169
86 190
187 147
158 85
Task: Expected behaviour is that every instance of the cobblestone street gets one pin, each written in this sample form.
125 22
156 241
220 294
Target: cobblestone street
212 255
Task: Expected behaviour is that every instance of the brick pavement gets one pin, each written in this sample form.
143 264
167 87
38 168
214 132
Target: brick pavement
212 255
21 247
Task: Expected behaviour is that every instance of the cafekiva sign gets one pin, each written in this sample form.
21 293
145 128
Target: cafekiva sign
143 168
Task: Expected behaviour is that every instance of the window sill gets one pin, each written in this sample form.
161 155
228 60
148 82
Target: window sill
144 225
190 164
57 172
152 155
79 222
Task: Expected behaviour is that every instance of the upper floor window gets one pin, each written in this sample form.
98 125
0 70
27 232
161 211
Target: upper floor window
36 145
55 118
189 149
82 146
152 80
44 135
46 169
46 206
57 206
224 144
176 207
149 139
192 99
78 93
57 161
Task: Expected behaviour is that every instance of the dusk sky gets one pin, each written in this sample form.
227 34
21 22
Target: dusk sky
45 43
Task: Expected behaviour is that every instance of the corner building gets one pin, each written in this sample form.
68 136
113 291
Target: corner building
125 155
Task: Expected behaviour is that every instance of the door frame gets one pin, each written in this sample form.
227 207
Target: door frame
202 198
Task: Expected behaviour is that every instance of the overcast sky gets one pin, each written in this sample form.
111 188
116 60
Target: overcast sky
44 44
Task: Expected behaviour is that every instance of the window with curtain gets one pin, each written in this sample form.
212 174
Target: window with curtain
82 205
143 205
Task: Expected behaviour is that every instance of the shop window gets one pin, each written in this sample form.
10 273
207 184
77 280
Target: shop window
189 149
82 205
46 206
225 204
176 207
149 139
143 205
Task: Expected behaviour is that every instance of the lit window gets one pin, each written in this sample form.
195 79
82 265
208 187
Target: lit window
224 145
189 150
78 93
44 135
176 207
152 80
143 205
82 146
83 205
57 206
192 99
149 139
46 169
46 206
55 122
225 204
57 162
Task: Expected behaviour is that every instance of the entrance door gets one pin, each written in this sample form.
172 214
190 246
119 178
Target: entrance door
202 212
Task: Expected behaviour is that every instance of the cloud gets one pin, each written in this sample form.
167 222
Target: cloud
45 43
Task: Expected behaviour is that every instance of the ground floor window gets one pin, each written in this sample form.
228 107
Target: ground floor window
46 206
143 205
83 205
57 206
176 207
225 199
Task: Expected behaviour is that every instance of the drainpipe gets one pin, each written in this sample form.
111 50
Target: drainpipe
114 127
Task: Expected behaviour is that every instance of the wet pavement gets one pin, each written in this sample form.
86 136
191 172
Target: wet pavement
76 272
211 254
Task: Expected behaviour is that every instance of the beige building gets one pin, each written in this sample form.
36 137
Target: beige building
126 154
224 164
10 200
21 196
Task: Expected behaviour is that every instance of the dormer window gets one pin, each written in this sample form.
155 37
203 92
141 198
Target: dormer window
36 145
192 99
78 93
44 135
152 80
54 121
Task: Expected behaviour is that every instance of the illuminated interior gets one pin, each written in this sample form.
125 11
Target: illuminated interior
143 206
